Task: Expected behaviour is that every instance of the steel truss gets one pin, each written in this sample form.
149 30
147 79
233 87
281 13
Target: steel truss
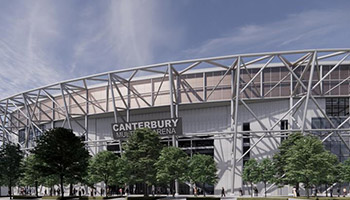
73 101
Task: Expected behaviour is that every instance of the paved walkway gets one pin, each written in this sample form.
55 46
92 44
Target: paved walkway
180 197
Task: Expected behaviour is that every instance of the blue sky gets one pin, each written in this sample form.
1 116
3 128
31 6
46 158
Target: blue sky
45 41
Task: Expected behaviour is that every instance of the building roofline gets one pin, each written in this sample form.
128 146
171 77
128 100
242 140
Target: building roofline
340 51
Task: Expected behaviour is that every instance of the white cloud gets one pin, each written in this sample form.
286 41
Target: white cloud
305 30
46 41
129 32
42 42
24 61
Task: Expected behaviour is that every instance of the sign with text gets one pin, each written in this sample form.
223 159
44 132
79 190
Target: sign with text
164 127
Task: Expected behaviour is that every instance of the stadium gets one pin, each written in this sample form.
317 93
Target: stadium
232 107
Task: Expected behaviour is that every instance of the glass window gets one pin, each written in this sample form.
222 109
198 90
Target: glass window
284 126
246 142
337 106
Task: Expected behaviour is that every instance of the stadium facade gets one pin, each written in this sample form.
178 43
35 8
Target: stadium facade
233 107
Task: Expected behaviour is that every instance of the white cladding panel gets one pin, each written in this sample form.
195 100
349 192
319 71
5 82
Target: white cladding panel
201 120
216 119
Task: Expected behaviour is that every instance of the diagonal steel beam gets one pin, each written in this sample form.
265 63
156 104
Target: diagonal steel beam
330 71
160 85
216 64
309 90
73 98
119 92
65 106
189 67
341 82
270 129
313 99
258 73
303 75
192 90
298 64
222 78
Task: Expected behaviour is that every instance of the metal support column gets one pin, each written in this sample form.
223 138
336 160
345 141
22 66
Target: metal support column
128 103
172 113
86 118
65 106
113 98
234 144
309 91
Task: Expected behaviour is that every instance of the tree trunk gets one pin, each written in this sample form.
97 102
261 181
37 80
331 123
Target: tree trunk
307 191
297 189
70 189
326 190
36 189
145 192
171 184
106 186
62 190
251 189
10 185
203 189
265 187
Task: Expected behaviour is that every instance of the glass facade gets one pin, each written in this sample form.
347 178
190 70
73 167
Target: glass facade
338 110
246 142
32 134
337 106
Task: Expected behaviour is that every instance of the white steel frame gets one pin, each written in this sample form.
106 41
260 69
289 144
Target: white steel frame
25 105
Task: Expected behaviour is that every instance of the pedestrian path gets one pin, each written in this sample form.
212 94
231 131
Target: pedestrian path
229 198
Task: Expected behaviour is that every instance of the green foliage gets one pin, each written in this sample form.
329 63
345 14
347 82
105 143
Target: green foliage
263 198
171 165
30 176
280 160
142 150
122 174
10 165
308 162
107 167
251 173
267 172
49 181
62 154
24 197
203 198
345 171
144 198
102 167
92 198
202 169
324 198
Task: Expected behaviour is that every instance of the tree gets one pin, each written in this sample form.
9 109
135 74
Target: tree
61 154
123 173
280 159
266 171
30 176
308 162
202 169
345 170
50 181
10 165
251 173
172 165
102 167
142 150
